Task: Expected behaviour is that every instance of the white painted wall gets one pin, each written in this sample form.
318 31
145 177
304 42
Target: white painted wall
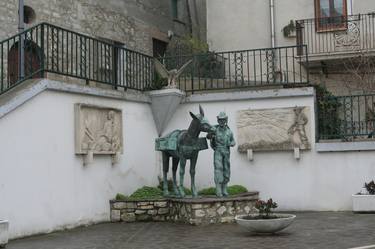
245 24
43 184
318 181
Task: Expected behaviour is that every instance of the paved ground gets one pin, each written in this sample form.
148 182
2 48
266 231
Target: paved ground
310 230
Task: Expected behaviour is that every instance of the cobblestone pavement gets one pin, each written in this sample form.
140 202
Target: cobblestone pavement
310 230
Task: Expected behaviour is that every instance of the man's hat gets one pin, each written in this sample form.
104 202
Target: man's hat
222 115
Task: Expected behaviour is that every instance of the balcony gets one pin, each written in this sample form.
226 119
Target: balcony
332 41
278 67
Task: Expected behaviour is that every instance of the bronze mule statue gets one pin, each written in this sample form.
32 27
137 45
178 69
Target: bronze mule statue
183 145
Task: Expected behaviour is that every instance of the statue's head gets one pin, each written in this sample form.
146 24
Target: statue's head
222 119
203 123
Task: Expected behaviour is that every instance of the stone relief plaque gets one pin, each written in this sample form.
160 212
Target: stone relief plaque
98 130
274 129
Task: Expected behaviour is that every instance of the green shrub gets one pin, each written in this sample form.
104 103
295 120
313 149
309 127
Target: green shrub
236 189
232 190
120 197
147 193
207 191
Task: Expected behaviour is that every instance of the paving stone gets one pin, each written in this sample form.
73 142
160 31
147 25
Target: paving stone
311 230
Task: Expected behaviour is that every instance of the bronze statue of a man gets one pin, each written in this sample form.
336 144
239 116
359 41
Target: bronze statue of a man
221 140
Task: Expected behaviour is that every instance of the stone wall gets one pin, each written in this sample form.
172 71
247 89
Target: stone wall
131 22
199 211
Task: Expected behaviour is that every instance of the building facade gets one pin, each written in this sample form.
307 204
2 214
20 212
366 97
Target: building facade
332 30
144 26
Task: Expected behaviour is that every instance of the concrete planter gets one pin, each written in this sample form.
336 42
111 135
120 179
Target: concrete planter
265 225
4 224
363 203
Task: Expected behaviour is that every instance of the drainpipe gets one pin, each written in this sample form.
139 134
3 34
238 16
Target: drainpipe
272 22
21 45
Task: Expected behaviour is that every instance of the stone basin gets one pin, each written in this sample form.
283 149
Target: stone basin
4 224
265 225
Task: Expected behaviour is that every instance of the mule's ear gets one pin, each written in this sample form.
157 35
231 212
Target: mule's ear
201 110
193 115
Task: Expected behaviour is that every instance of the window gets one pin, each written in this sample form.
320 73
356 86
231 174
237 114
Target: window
175 9
330 15
159 47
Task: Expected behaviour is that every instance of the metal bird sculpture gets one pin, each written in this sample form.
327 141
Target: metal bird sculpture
171 75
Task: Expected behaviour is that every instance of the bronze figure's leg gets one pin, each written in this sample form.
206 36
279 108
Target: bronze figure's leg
218 163
193 162
226 173
165 172
174 170
182 173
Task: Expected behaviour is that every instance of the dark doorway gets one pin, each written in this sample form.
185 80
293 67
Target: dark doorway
159 47
33 60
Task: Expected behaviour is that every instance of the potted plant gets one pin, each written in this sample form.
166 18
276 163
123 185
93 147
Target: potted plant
364 201
265 221
289 30
4 224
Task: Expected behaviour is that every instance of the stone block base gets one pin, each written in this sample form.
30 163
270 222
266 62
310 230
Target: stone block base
195 211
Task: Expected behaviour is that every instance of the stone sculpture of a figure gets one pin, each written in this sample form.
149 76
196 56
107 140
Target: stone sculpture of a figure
221 139
298 127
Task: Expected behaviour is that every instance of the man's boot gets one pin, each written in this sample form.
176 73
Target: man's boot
218 190
225 189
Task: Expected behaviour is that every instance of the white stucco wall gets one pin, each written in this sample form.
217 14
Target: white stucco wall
44 185
318 181
245 24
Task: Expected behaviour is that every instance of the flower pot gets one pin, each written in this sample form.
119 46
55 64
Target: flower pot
363 203
4 224
265 225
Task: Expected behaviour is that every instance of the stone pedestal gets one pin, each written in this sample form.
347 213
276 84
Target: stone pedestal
195 211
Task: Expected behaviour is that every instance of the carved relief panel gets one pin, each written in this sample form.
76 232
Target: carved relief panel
274 129
98 130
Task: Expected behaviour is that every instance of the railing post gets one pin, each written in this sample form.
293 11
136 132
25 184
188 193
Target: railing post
299 38
42 50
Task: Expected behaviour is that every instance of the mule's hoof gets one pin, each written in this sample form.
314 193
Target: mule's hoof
165 193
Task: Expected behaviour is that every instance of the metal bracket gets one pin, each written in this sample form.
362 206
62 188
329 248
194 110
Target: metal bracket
297 154
88 158
250 155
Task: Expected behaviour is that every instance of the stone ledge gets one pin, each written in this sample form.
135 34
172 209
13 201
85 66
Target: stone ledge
25 91
345 146
195 211
251 94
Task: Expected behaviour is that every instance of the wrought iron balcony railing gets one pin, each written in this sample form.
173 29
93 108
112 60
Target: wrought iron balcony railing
51 49
241 69
346 117
337 34
54 50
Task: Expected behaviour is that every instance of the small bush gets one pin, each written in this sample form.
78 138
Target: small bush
120 197
207 191
265 207
236 189
232 190
370 187
147 193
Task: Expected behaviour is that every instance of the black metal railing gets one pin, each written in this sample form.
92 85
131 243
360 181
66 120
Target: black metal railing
240 69
51 49
337 34
346 117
